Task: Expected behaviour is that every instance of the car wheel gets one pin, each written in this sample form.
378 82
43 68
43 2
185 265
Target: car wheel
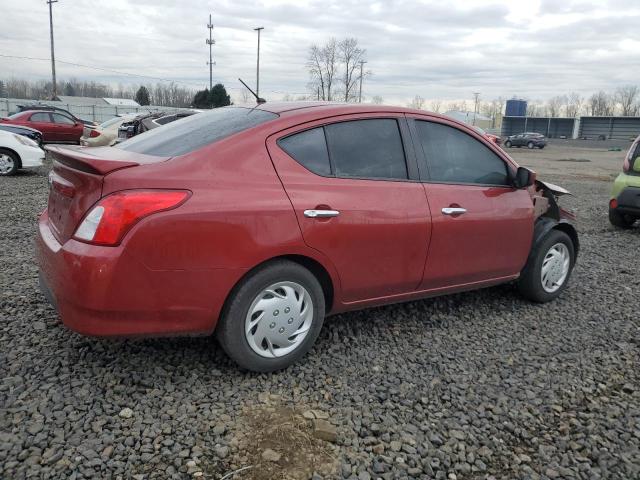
507 144
273 317
530 145
620 220
548 269
541 147
9 162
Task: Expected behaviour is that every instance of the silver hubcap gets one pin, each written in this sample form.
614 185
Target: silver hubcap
6 163
555 267
279 319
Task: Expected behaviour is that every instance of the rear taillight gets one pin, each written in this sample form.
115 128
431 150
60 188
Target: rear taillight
94 133
113 216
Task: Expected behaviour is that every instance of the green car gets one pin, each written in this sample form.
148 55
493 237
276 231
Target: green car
624 206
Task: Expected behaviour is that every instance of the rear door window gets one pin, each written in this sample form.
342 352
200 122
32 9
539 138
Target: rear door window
57 118
196 131
369 148
454 156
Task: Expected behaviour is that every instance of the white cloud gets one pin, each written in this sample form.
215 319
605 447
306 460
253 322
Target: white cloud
430 48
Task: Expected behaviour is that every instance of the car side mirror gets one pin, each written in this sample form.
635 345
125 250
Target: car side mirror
524 178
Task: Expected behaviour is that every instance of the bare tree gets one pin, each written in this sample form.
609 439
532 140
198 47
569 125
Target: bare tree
323 67
601 104
350 55
435 106
573 104
554 105
417 103
627 97
377 99
458 106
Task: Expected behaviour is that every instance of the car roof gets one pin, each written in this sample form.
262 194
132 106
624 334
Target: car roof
327 107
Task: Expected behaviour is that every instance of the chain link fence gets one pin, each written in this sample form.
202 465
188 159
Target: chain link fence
97 113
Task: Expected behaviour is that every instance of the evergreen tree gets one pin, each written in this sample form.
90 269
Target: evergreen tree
218 96
142 96
69 90
201 99
3 90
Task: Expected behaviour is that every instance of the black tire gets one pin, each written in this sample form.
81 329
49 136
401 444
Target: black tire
620 220
231 327
507 144
541 147
530 282
530 146
14 158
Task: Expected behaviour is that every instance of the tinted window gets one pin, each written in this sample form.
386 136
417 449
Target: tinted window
40 117
367 148
57 118
167 119
456 157
196 131
309 148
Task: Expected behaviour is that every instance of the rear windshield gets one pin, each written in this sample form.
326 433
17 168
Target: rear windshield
196 131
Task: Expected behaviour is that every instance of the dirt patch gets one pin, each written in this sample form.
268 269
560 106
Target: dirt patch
277 442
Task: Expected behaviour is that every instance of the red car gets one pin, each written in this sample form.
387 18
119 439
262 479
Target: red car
256 223
55 127
489 136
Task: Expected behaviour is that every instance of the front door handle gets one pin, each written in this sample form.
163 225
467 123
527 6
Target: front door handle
321 213
454 210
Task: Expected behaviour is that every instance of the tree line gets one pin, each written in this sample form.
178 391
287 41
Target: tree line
623 101
161 94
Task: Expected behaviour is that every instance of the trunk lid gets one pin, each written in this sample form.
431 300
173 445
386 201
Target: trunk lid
75 182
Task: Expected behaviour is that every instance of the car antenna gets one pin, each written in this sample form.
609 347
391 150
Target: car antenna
258 99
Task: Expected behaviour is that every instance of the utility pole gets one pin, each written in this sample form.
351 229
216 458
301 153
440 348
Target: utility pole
211 42
53 57
476 96
258 29
362 62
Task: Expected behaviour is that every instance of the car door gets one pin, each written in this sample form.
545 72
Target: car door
67 130
42 121
482 225
354 187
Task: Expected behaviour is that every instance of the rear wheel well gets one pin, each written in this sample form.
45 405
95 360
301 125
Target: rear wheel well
5 149
310 264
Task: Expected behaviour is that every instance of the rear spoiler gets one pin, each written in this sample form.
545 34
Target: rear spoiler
98 160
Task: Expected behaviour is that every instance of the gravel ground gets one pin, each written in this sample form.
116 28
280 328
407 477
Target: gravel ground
482 385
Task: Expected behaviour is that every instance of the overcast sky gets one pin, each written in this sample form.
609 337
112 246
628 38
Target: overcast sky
436 49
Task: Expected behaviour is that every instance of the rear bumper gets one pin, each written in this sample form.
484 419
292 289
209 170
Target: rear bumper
629 201
104 292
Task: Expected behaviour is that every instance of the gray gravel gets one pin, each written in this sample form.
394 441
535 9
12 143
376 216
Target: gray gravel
482 385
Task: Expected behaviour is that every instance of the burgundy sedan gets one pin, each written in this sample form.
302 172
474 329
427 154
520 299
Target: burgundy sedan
255 223
55 127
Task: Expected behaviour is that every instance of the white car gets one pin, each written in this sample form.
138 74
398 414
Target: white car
17 152
106 133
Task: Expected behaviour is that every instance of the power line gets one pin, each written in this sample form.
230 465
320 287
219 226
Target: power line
119 72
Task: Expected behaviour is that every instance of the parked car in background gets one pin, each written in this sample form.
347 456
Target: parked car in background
528 139
106 133
86 123
55 127
256 222
28 132
489 136
148 121
624 206
18 151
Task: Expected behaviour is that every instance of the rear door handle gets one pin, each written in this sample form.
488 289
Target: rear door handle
321 213
454 210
